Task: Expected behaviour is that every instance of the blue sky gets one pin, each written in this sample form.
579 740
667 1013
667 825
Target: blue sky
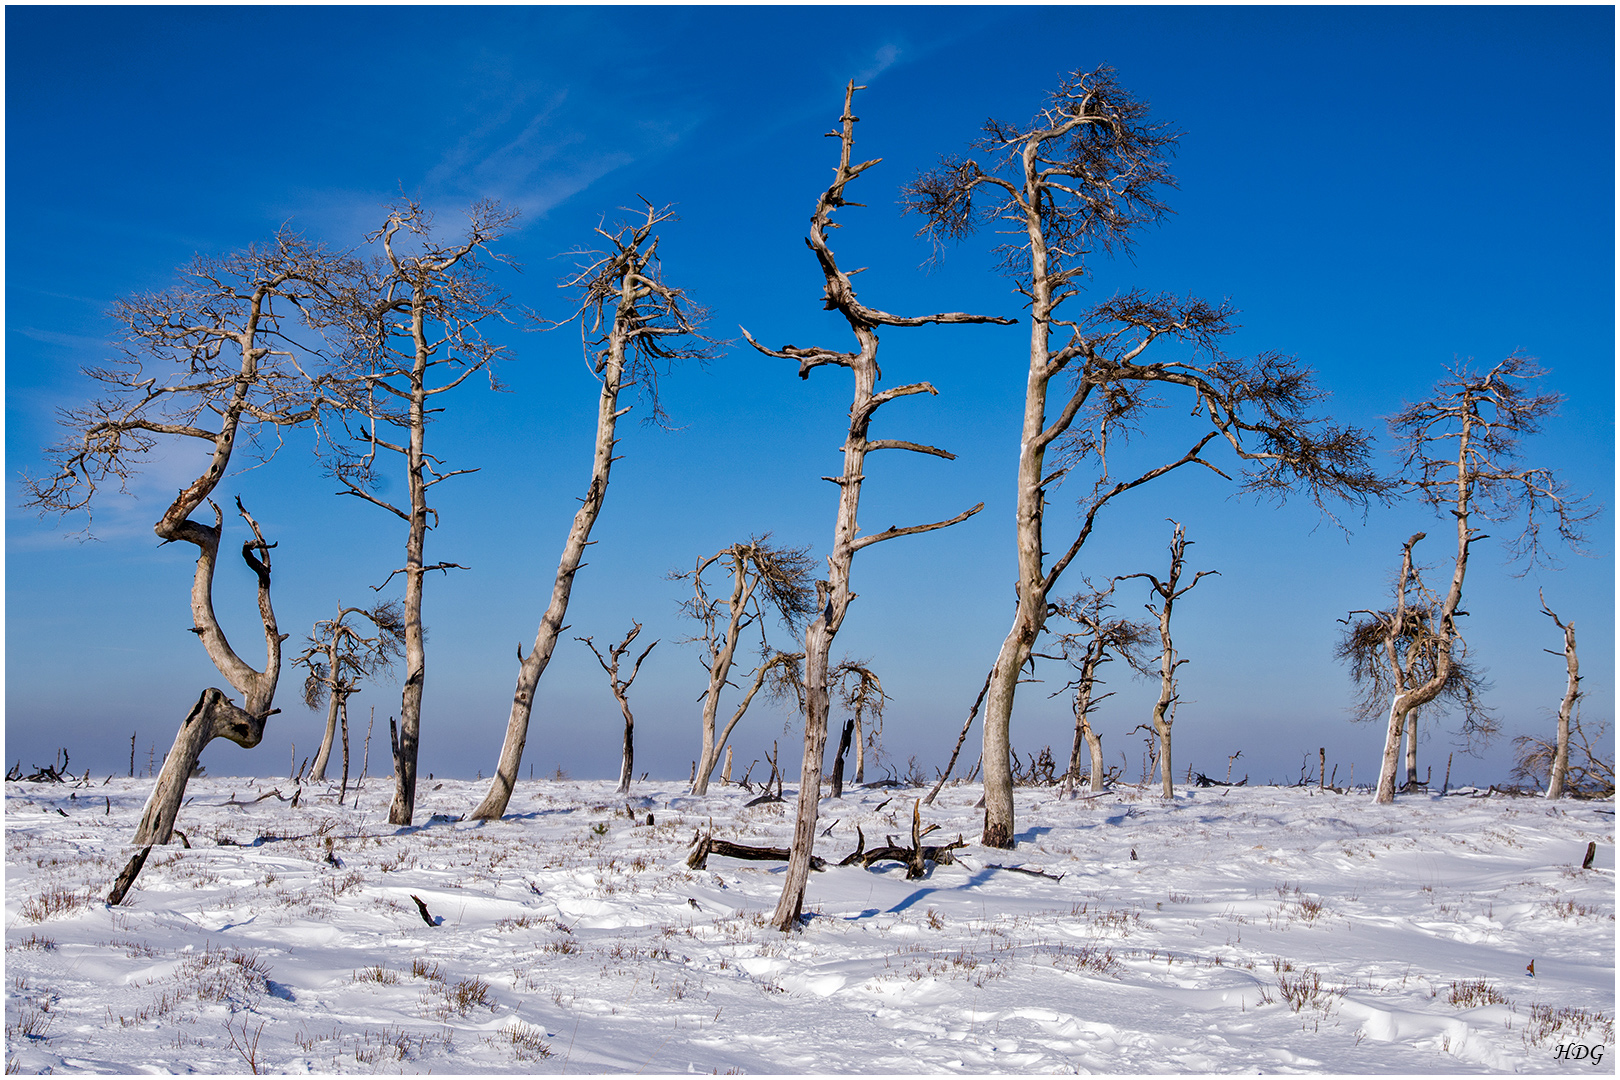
1379 190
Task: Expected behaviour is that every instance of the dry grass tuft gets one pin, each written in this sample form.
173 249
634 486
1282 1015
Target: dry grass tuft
1467 995
1553 1025
54 901
376 973
527 1044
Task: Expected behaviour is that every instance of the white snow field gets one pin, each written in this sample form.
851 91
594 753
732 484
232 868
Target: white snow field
1254 929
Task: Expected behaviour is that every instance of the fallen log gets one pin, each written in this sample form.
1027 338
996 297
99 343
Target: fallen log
1024 870
707 845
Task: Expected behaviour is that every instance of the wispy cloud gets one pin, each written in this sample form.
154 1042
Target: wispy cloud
881 60
67 341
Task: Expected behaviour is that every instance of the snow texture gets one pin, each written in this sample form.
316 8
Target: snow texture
1237 930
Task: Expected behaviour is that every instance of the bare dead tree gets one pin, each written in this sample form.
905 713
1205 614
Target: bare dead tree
1558 770
1101 639
1460 449
1080 180
415 328
860 692
219 361
1389 651
833 596
1588 760
1168 592
768 582
621 694
633 326
337 656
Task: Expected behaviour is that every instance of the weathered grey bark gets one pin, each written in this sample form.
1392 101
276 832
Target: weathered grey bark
621 694
638 323
834 595
1101 639
1411 724
1168 593
214 715
337 656
233 361
414 329
1566 709
317 768
765 580
1084 176
838 759
1459 447
861 692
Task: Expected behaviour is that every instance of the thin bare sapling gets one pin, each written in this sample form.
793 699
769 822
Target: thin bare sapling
1099 640
861 694
621 694
1162 607
1569 763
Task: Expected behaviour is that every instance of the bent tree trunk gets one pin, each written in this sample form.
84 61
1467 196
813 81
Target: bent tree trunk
647 318
215 715
493 806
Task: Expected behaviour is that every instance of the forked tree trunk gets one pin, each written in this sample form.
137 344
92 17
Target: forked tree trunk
214 715
1168 593
1406 701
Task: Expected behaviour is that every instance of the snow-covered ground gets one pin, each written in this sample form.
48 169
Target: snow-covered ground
1245 929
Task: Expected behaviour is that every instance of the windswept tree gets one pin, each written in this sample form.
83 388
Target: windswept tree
1162 607
621 694
1568 763
1099 640
216 363
1393 649
633 326
1081 180
415 328
833 595
1558 768
769 582
1460 449
861 694
355 644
